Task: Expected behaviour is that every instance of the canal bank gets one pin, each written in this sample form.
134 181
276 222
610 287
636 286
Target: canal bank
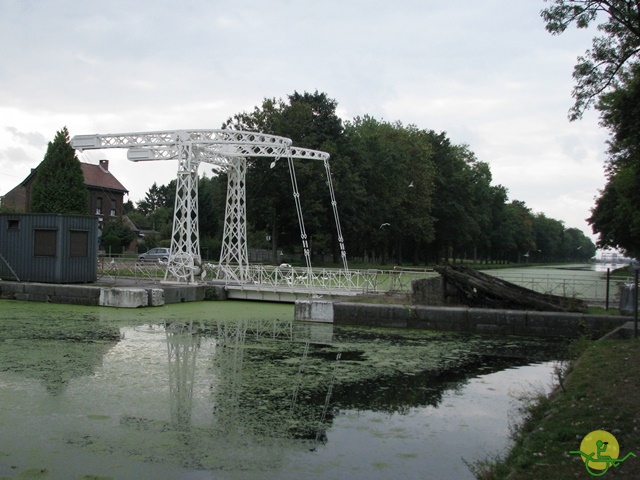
125 295
459 319
599 391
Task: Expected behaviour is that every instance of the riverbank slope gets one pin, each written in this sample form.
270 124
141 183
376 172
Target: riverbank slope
600 392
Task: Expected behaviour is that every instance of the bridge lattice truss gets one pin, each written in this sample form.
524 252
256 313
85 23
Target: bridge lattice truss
228 150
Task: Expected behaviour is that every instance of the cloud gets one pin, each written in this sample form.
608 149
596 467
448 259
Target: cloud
33 139
487 73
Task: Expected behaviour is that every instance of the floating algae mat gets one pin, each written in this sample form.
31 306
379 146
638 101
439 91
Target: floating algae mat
237 390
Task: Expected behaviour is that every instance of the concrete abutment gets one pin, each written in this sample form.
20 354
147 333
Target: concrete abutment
459 319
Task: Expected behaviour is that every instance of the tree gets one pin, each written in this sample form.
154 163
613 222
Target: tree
59 185
578 247
156 197
455 206
549 238
392 177
616 215
612 53
518 230
116 235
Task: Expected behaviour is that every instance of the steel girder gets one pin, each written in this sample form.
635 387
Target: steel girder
234 237
227 150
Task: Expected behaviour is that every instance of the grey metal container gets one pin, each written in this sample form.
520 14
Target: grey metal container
48 248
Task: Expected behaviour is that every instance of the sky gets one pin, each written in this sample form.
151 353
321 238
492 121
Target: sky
485 72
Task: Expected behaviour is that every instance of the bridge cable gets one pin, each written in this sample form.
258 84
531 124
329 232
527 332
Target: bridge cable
334 205
303 233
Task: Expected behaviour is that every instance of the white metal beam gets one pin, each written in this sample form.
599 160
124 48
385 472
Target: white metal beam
226 149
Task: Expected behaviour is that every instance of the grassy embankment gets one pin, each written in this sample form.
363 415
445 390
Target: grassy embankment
599 391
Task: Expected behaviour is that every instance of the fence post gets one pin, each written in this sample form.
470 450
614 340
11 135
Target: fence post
635 302
606 304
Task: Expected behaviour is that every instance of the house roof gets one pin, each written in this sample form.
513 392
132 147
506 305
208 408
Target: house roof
96 176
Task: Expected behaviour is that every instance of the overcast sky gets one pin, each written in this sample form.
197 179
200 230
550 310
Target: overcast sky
486 72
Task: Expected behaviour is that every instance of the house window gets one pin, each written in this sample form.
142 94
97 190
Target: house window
44 242
13 224
113 208
99 206
78 243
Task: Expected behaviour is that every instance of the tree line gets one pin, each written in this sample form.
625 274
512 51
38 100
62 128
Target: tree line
404 195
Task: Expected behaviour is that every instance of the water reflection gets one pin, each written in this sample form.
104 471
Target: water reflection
243 396
183 342
54 350
274 379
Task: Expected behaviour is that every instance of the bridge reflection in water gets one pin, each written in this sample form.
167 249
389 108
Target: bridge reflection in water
239 416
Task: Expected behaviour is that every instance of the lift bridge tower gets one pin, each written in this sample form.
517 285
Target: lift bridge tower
227 150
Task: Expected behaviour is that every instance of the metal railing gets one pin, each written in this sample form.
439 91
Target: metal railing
364 281
266 277
592 290
112 269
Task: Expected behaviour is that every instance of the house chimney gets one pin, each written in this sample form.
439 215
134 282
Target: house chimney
104 165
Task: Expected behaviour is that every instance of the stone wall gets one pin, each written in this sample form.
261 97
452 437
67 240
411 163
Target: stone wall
121 297
464 319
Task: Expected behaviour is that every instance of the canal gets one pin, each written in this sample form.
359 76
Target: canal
237 390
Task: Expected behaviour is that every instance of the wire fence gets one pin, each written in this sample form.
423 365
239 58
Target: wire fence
594 289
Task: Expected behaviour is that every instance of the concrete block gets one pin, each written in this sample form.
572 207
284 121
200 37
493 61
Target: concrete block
156 297
597 326
9 289
314 311
514 318
482 316
554 324
39 289
541 319
507 322
442 318
123 297
370 314
427 291
215 293
87 301
16 287
77 291
38 297
184 293
627 299
493 328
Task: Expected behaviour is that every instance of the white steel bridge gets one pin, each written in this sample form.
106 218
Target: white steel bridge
227 150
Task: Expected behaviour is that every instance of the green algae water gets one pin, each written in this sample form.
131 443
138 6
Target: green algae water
237 390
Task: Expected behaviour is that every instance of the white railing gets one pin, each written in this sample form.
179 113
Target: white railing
267 277
112 269
296 278
337 281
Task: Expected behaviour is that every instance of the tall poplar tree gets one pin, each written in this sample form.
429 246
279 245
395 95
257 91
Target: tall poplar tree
59 185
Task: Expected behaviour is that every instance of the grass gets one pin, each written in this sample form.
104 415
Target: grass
600 391
594 310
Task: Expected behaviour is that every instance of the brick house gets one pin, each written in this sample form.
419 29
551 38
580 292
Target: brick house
105 192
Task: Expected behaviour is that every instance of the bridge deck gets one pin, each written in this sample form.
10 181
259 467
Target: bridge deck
284 293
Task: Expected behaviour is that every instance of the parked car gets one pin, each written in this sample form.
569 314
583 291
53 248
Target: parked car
155 254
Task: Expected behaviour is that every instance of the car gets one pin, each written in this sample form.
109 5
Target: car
155 254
